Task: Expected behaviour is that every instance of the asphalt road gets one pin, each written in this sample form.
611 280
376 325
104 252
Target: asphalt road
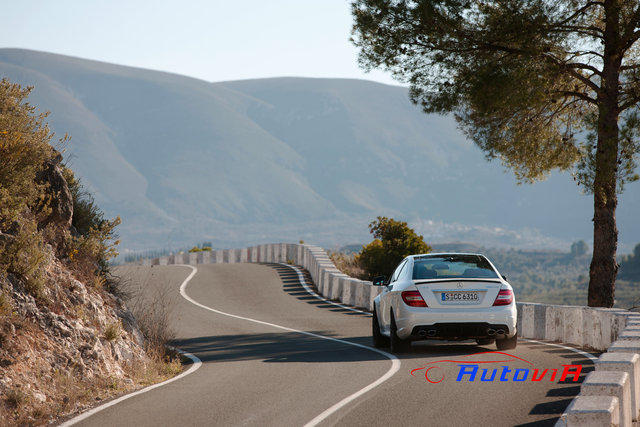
256 374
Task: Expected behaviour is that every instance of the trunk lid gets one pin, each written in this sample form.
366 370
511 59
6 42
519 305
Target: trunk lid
459 293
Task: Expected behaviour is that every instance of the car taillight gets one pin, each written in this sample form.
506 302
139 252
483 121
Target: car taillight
413 298
505 297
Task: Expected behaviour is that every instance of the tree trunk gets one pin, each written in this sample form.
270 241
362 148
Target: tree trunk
604 268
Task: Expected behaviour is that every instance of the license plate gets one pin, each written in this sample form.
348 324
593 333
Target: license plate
460 297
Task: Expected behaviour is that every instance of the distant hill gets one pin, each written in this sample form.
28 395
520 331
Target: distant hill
185 160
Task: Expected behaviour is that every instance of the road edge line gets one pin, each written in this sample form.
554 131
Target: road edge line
395 362
196 363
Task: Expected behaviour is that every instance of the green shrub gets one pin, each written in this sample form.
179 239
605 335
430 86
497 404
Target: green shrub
26 257
195 249
25 232
98 239
393 240
24 149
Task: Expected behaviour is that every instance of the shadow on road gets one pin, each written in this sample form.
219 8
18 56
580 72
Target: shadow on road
300 348
291 285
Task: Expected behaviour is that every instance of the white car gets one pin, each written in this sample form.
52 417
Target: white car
444 296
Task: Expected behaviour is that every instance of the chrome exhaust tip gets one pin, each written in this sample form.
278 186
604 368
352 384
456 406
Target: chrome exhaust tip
422 333
500 331
491 332
432 332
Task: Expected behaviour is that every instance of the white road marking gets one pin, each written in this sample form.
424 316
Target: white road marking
194 367
395 362
308 288
589 356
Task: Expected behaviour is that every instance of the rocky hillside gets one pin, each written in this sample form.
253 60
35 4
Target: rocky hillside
243 162
67 338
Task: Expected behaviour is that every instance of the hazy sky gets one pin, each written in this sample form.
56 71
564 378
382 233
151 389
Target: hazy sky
213 40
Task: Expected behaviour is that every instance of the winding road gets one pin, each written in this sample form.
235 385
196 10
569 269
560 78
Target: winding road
274 354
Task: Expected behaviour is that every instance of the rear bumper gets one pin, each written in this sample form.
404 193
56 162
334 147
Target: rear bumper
459 323
459 331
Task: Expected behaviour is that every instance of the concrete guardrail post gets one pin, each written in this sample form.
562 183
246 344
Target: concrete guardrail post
356 292
527 324
193 258
336 286
345 285
554 323
592 411
627 335
610 383
629 363
572 326
626 346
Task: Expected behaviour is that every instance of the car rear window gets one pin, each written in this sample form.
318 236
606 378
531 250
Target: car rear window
452 267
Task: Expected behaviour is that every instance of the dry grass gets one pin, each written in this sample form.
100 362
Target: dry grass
151 302
5 304
112 331
152 309
348 264
161 366
15 398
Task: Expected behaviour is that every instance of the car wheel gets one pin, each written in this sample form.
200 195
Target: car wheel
507 343
398 345
379 340
485 341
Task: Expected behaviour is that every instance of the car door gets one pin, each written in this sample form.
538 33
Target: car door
387 297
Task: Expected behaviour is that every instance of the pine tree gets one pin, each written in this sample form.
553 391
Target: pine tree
538 84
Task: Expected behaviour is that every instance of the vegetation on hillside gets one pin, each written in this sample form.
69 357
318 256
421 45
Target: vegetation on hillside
630 265
44 211
540 85
59 304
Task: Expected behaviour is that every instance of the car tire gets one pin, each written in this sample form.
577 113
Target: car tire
485 341
379 340
398 345
507 343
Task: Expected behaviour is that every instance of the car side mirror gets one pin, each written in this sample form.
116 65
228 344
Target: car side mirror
379 281
504 278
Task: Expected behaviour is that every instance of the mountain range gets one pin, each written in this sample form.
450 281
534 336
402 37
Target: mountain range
281 159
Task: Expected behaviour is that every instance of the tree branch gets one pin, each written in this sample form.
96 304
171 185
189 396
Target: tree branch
630 103
631 39
580 95
580 11
574 73
630 35
583 66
